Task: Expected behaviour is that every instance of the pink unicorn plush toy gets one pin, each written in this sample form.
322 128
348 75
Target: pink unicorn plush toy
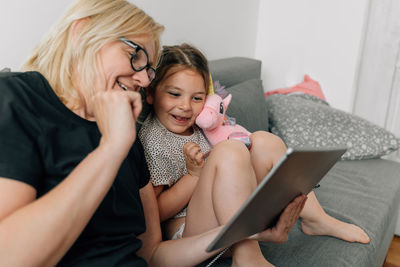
215 126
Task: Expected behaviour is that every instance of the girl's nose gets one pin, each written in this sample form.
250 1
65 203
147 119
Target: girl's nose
185 104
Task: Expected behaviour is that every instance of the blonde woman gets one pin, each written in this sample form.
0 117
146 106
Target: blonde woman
74 186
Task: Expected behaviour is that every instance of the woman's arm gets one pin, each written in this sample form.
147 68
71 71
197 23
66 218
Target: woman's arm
38 232
182 252
190 251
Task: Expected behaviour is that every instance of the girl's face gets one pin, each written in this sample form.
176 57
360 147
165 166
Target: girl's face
114 59
178 100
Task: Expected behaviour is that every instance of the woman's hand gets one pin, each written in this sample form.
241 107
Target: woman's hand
194 158
116 113
280 232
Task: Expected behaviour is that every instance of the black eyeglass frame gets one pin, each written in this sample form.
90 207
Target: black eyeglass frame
137 49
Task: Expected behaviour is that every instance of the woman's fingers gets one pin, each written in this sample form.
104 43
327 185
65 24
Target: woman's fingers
291 213
280 232
116 113
289 217
136 103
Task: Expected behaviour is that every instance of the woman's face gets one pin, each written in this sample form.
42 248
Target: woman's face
114 62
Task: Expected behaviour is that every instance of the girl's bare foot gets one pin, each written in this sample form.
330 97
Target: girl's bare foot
330 226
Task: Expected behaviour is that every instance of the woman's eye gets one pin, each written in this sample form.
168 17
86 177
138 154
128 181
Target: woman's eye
134 56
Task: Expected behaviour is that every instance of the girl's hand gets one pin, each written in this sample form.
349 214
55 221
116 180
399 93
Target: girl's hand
280 232
194 158
116 113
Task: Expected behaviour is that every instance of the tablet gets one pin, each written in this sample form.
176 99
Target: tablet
297 172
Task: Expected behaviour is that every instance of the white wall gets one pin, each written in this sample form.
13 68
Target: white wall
22 25
222 28
320 38
291 37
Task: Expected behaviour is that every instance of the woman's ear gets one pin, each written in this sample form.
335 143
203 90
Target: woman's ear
77 26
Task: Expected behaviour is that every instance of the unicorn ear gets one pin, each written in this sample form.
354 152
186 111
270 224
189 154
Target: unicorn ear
226 101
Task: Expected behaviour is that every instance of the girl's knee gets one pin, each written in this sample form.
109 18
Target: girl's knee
266 140
232 159
232 150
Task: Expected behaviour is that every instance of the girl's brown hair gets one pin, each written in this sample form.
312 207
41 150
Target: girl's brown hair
177 58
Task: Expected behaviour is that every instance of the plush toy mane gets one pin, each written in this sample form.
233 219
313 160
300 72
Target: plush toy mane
213 121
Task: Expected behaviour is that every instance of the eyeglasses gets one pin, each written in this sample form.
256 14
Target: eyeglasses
139 59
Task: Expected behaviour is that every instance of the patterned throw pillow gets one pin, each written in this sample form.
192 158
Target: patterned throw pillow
306 121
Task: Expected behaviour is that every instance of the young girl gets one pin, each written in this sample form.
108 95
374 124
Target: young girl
195 195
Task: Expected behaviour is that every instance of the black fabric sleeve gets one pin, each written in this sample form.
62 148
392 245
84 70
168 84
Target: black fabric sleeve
19 153
140 163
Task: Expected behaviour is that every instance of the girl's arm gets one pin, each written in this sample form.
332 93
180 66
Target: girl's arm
175 198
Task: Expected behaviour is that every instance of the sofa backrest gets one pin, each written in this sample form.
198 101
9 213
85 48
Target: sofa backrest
234 70
241 77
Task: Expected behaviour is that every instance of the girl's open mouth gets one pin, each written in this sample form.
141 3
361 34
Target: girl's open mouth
180 119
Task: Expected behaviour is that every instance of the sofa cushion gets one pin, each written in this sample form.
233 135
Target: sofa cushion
306 121
365 193
248 105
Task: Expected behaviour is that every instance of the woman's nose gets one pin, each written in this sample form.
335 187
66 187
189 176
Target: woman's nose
141 78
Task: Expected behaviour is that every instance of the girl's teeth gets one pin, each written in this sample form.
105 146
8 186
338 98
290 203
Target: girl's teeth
180 118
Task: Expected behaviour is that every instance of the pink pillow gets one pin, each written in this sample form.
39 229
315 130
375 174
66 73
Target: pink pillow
308 86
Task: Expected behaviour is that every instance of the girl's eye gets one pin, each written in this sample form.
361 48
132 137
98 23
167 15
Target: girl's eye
198 98
173 94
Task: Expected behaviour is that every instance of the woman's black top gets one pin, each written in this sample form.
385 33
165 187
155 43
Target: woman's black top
42 141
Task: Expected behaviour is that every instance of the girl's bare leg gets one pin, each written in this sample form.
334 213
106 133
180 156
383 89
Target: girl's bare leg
315 221
266 150
227 179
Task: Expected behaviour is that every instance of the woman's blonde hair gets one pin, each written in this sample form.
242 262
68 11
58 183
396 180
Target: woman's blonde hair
57 54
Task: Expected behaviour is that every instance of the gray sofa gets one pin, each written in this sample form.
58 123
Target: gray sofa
364 192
